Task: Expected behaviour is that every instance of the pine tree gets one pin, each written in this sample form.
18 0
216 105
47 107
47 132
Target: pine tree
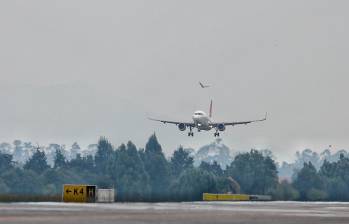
157 167
104 157
180 161
132 182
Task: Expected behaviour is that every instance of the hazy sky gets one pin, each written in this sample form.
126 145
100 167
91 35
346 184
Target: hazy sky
75 70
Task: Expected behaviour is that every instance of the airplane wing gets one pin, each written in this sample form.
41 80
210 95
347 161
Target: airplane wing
187 124
215 124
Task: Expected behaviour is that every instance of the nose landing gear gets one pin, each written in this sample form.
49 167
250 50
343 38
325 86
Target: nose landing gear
216 134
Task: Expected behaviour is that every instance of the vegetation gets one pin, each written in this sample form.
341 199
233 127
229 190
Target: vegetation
146 175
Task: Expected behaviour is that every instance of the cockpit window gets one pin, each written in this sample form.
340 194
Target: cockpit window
198 114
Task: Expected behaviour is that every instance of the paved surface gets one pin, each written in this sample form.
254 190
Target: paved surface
192 212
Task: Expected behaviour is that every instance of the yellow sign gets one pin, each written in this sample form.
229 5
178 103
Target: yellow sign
225 197
79 193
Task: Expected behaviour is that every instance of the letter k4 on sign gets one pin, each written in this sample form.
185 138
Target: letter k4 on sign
78 193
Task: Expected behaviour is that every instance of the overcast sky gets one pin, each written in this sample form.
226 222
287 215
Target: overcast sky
75 70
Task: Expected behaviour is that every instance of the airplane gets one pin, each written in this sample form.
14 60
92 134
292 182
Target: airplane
203 122
203 86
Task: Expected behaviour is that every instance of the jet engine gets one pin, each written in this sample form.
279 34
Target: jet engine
221 127
181 127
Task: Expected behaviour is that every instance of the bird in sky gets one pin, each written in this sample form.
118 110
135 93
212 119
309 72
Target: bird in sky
203 86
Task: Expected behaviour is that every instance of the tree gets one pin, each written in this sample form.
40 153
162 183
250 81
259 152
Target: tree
60 160
58 177
5 148
285 192
3 187
192 183
307 179
255 173
335 188
22 181
334 176
343 168
75 149
328 169
18 153
213 168
37 163
316 195
89 163
157 167
82 164
104 157
180 161
132 182
5 162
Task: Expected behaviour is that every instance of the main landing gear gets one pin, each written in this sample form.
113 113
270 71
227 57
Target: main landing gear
191 133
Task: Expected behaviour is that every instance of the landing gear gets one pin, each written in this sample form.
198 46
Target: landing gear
191 133
216 134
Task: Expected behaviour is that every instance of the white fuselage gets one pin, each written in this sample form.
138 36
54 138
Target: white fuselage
202 121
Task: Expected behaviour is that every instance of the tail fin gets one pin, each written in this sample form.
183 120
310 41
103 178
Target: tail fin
210 114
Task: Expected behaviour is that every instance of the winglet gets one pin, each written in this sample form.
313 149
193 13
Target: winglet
152 119
266 114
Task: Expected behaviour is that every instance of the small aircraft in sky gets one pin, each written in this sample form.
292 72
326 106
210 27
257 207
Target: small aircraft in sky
203 86
203 122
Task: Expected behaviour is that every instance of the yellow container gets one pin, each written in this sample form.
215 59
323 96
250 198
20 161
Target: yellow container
225 197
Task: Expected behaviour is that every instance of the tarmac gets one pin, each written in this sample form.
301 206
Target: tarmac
188 212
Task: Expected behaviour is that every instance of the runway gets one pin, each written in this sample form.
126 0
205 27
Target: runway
189 212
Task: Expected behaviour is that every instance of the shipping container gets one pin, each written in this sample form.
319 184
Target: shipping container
105 195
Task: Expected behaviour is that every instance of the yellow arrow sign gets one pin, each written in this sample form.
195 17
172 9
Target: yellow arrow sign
78 193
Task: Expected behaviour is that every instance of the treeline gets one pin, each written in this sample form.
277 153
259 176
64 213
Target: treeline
287 170
331 182
146 175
